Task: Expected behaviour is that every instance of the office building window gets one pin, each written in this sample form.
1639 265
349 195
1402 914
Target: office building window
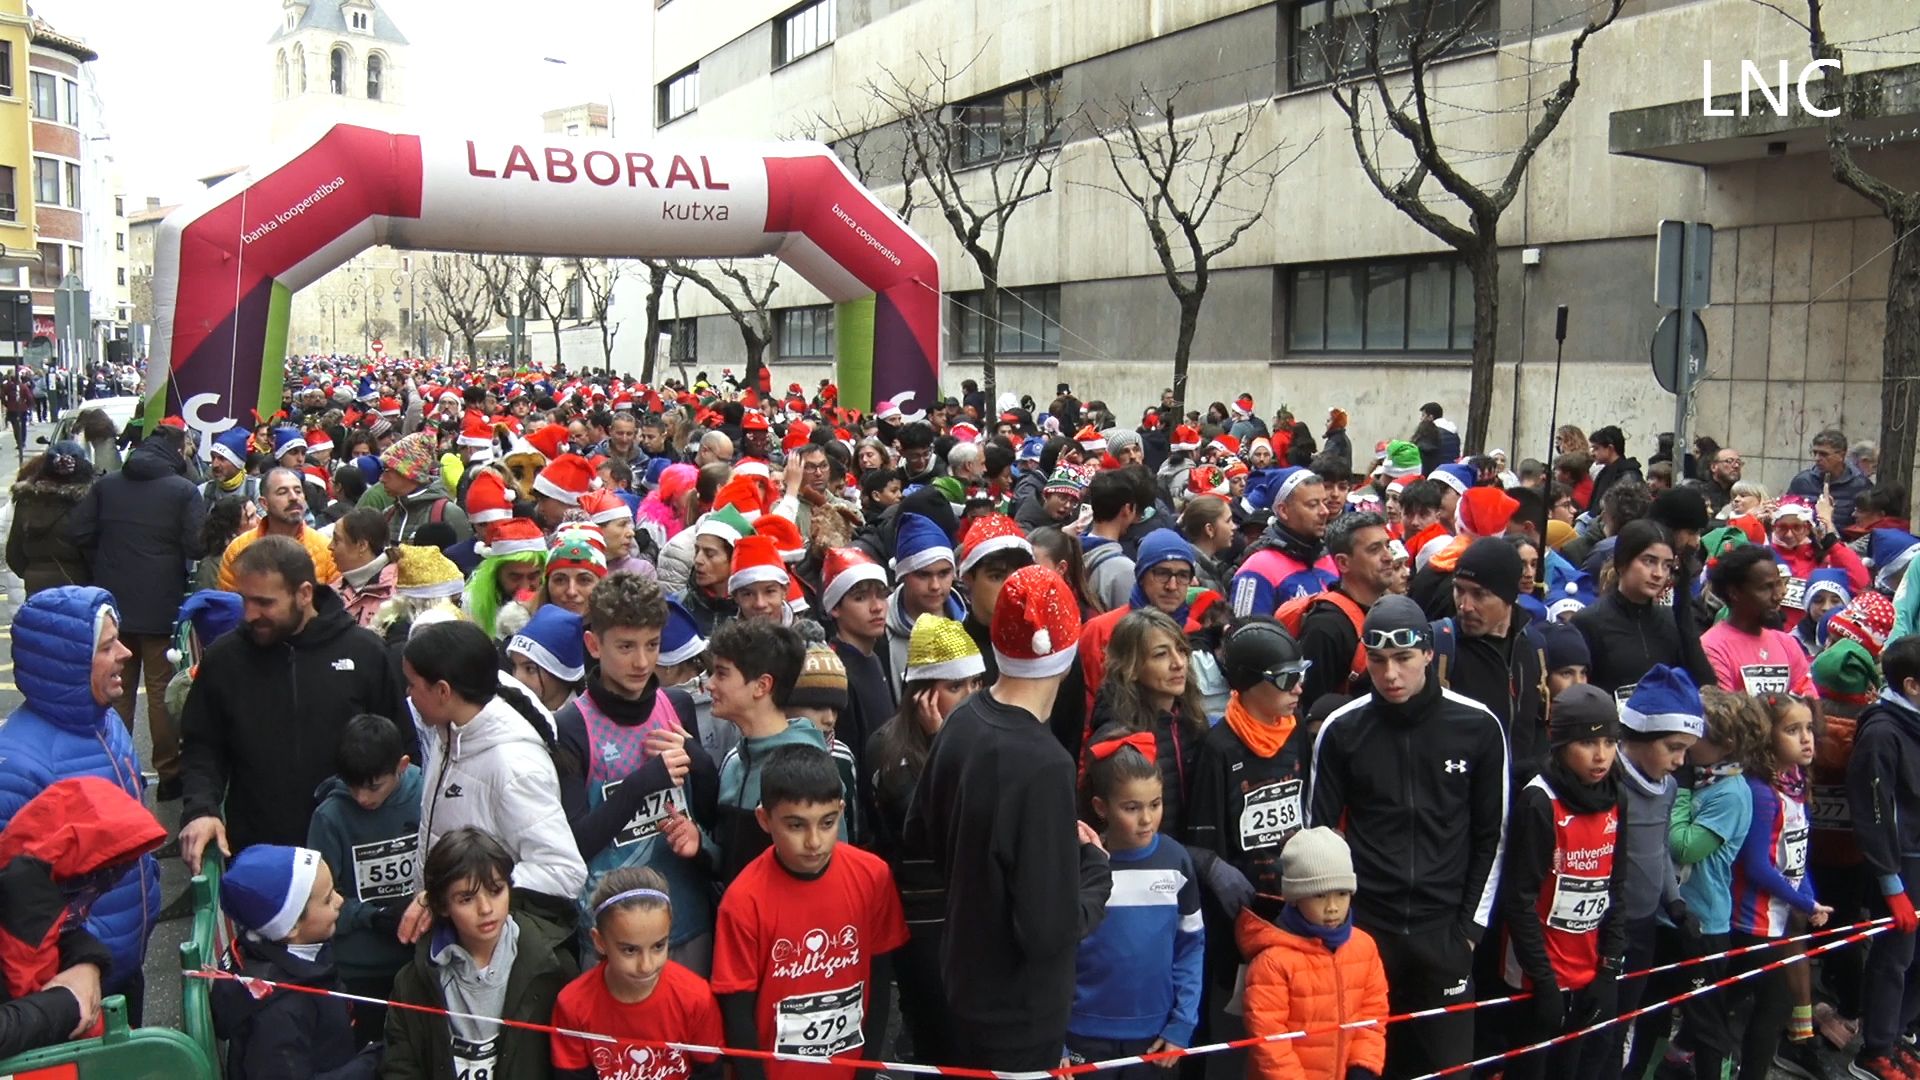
6 68
49 272
1006 123
1400 305
73 102
46 96
46 181
683 340
805 332
9 201
1028 322
679 95
1330 36
120 273
804 30
73 185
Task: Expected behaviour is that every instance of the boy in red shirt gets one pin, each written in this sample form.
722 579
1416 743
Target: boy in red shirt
804 931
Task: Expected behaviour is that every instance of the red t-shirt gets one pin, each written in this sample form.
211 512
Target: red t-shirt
681 1009
807 949
1770 662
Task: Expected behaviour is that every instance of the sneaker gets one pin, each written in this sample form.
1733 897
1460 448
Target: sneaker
1907 1058
1877 1067
1803 1059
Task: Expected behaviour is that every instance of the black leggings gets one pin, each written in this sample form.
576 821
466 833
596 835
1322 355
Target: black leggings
1759 1006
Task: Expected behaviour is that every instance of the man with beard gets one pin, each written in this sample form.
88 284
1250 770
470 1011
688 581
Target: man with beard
1288 561
1722 473
265 714
284 496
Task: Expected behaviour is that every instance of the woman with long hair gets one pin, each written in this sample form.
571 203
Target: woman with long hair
228 517
1055 550
1628 629
1148 688
45 492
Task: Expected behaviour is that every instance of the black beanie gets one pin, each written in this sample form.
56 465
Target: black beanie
1583 711
1494 565
1680 508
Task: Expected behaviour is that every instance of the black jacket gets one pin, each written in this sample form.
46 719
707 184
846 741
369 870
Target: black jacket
1883 786
1627 639
1177 749
1624 468
261 724
1530 859
1328 640
1508 676
39 551
1420 790
1227 779
285 1033
140 528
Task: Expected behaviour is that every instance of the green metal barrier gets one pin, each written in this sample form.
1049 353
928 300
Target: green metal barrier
123 1053
202 949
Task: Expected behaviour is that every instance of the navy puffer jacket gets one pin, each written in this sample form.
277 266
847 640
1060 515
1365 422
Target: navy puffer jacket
60 732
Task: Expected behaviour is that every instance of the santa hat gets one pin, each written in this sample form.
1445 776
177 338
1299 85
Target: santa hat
1888 552
940 648
844 568
1090 440
565 478
1185 438
1036 624
1573 595
1243 405
265 888
548 440
389 407
1664 700
286 440
319 442
1484 511
604 506
475 431
784 534
1207 480
741 494
988 534
1867 619
964 432
753 421
573 550
725 524
1402 459
1235 468
680 639
231 444
918 544
487 498
552 639
1284 482
755 560
1225 443
514 536
797 436
1455 476
796 597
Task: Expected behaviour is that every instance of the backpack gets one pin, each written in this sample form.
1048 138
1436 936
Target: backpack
1293 615
436 514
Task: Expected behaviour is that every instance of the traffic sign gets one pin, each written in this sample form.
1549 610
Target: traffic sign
379 347
1666 350
1683 250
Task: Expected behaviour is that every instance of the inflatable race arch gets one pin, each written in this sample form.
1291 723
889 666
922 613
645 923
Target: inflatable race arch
227 266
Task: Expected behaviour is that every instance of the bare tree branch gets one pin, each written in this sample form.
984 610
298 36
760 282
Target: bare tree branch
748 303
458 300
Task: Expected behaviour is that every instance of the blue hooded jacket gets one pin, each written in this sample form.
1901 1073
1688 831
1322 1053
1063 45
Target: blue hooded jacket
61 733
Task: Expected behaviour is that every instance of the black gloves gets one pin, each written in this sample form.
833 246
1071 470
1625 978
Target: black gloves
1687 923
1549 1007
1598 1000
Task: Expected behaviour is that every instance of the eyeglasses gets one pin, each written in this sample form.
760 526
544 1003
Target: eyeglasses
1166 575
1287 677
1403 638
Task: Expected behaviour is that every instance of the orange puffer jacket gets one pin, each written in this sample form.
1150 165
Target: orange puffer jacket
1294 984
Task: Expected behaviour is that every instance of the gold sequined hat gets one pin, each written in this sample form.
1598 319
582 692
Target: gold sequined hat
941 648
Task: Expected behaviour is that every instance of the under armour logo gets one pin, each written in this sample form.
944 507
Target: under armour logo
452 792
1456 765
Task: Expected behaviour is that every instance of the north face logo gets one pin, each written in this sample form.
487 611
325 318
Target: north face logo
452 792
1458 765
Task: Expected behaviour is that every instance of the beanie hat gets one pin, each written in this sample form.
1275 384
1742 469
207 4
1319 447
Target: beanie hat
548 440
475 430
1485 511
286 440
1316 861
1558 533
425 573
1867 619
1846 672
941 648
1456 476
1235 467
1889 551
1664 700
514 536
1283 482
989 534
1492 564
1119 439
553 640
918 544
487 498
680 639
266 887
1185 438
1036 624
1161 546
823 681
755 560
1680 509
604 506
843 569
1565 646
573 550
319 442
565 478
1827 580
232 445
725 524
411 457
1257 442
1392 612
1066 480
1583 712
1090 440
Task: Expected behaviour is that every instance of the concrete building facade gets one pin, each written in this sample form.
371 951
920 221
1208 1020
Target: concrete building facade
1334 298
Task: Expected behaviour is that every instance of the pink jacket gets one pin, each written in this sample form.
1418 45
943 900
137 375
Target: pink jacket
363 603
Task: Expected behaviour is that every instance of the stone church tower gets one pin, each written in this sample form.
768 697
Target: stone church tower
334 61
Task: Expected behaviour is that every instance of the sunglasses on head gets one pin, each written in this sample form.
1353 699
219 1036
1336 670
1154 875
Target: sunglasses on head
1404 638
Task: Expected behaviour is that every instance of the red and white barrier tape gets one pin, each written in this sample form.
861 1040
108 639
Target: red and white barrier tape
1854 933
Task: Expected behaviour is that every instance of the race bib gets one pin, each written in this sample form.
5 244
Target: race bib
1269 815
1827 806
383 870
1579 903
653 813
820 1025
1766 678
475 1060
1793 854
1796 594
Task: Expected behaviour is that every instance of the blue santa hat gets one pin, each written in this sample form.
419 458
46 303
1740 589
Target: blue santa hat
1570 597
232 445
656 468
266 888
1828 580
553 640
1888 552
286 439
918 544
369 467
1664 701
212 614
1456 476
680 640
367 391
1283 483
1031 449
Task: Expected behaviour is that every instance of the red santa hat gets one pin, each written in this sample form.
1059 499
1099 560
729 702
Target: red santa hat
844 568
474 430
604 506
1090 441
487 498
1036 624
565 478
318 441
1185 438
988 534
753 421
798 435
1207 480
784 534
1225 443
548 440
742 494
755 559
964 432
515 536
1243 405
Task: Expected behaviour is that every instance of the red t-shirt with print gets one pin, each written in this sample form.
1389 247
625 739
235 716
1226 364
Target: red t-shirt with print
806 948
681 1009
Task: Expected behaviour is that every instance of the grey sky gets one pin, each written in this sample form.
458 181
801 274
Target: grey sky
187 86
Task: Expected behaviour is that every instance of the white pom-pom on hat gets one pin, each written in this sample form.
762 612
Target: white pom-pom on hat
173 655
1042 642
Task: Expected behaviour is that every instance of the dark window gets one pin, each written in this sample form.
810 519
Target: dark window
6 68
337 71
683 340
1399 305
1330 36
679 95
46 96
119 241
46 181
9 204
121 274
805 332
376 70
73 185
802 31
1028 322
48 273
1006 123
73 103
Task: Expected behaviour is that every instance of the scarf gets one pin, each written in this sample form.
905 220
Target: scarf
1708 775
232 483
1331 936
1264 739
1792 783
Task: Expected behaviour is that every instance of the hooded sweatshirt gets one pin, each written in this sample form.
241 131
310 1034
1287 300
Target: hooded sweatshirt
900 633
739 837
60 732
372 854
412 511
1883 788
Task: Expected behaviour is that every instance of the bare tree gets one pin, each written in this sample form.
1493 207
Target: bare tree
1383 83
458 301
865 145
513 288
1177 171
658 274
748 302
978 166
550 285
597 280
